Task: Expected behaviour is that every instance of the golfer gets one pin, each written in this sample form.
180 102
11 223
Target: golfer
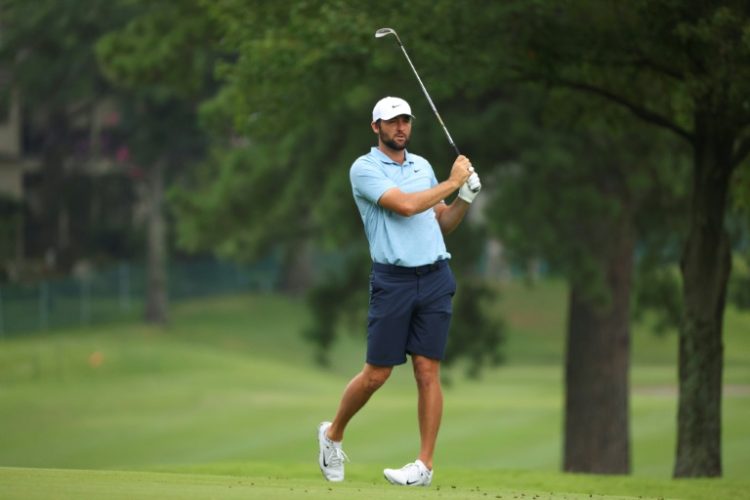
411 285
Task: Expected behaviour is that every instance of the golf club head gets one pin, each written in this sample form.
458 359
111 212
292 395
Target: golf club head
384 32
387 31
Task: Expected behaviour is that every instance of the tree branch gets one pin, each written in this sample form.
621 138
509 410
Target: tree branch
643 61
640 111
636 59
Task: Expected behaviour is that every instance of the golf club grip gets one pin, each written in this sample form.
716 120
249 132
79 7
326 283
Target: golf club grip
458 153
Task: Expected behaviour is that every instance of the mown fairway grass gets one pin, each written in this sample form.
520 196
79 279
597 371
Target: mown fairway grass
224 404
264 481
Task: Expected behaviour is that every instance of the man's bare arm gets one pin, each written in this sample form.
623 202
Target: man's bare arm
408 204
450 216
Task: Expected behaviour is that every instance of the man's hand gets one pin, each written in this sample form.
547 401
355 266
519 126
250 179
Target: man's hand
461 171
450 216
470 189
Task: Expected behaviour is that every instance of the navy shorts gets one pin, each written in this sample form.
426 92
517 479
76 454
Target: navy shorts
410 312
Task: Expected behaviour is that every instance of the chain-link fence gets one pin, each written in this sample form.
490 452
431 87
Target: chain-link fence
118 293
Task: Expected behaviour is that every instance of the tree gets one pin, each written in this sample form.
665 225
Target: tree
300 73
575 196
682 66
47 49
160 62
295 74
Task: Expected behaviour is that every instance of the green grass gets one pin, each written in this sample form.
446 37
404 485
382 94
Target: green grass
224 403
272 481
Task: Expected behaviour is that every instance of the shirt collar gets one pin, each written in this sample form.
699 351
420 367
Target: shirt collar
383 158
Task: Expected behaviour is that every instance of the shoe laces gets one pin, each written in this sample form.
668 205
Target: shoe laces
414 468
336 457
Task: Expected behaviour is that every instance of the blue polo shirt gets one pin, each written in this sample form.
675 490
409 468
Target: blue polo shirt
395 239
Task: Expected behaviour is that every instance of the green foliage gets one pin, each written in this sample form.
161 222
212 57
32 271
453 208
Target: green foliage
300 79
161 61
739 291
296 77
291 57
659 292
165 47
48 48
477 336
246 200
339 297
739 286
674 65
582 172
49 64
663 60
670 64
219 213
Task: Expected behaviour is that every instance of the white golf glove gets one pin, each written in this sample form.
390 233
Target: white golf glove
470 189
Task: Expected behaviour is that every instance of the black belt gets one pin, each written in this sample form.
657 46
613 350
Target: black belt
419 270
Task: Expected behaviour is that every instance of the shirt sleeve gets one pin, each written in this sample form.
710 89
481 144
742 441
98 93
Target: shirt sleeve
368 181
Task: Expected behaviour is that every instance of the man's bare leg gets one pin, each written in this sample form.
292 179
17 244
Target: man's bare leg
430 406
356 394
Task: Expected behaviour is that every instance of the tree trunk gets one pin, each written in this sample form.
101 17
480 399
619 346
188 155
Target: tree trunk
156 287
50 236
706 263
597 431
299 268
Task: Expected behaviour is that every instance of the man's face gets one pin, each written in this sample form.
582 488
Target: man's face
394 133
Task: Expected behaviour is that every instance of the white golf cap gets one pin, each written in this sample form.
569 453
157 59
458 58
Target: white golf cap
390 107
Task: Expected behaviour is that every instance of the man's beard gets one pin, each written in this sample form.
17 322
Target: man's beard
391 143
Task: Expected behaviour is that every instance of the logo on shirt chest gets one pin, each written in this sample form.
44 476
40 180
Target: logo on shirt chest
415 178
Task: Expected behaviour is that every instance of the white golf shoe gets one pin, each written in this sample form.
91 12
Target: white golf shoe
331 457
413 474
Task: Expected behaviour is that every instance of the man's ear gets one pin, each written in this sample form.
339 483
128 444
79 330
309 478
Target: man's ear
375 126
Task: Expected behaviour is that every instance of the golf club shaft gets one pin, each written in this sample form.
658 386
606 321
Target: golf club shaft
429 99
389 31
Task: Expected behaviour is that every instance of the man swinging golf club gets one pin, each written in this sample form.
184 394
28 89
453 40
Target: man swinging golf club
411 285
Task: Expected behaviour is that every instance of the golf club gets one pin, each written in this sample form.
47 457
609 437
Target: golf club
382 32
